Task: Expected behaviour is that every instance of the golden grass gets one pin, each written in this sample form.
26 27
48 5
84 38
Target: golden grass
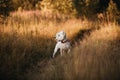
96 58
27 44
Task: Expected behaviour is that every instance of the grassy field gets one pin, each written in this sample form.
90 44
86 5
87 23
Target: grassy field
27 44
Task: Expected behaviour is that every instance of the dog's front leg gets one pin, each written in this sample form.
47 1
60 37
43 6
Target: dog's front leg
55 50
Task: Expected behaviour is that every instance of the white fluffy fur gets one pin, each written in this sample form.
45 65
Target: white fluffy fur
62 43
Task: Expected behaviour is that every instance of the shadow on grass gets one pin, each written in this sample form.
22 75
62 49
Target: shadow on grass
20 53
80 36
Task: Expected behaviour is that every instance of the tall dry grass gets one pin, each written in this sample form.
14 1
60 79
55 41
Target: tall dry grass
27 44
26 38
96 58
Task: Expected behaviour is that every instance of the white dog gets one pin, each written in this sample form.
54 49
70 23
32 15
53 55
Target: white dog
62 43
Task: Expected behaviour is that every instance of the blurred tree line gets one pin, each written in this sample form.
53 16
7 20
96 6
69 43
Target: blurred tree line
67 7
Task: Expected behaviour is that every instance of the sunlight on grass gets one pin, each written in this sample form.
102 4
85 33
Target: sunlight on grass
27 44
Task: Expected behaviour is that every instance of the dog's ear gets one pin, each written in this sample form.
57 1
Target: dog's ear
63 32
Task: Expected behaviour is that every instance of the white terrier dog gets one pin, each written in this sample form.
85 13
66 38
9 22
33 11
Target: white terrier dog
62 43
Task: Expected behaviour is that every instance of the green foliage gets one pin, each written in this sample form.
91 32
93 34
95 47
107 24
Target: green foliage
64 7
71 7
25 4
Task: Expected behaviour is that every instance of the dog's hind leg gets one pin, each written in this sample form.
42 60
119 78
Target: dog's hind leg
61 52
68 50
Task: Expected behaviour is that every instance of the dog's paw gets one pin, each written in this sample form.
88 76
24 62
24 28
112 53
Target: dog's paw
53 56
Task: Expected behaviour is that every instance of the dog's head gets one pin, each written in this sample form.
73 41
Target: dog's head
60 36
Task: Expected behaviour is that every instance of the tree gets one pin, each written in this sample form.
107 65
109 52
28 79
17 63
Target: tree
5 7
112 11
63 7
